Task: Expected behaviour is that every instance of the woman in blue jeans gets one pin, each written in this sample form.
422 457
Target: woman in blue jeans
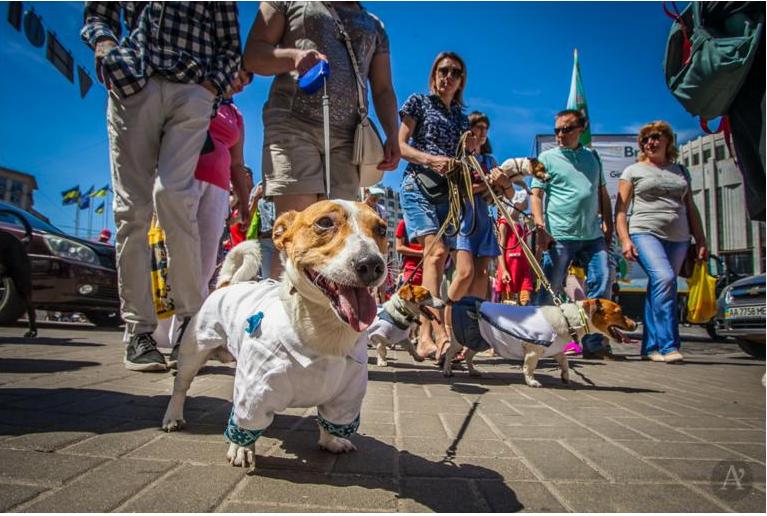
432 126
657 233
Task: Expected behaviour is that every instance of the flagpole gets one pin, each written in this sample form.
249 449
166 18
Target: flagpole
106 210
77 218
90 220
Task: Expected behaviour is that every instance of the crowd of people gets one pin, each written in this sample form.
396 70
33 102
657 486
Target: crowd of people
176 149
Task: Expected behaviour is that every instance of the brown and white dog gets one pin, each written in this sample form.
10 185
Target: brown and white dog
297 341
530 333
517 168
397 317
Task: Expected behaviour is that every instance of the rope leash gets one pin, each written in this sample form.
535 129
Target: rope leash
529 255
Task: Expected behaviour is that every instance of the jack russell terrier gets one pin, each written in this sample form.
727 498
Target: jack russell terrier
297 341
396 319
529 332
517 168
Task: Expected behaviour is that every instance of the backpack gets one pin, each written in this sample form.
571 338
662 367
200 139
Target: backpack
706 63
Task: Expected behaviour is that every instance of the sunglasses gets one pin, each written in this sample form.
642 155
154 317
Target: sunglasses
480 127
566 129
453 72
651 136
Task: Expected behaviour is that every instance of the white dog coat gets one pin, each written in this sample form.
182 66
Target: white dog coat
387 328
506 328
275 370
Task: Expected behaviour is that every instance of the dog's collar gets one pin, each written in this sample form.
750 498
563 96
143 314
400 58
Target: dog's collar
400 308
584 319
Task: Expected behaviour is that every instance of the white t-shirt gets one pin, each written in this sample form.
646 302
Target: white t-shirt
274 370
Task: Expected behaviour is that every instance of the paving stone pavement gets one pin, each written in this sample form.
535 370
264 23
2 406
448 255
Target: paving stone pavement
78 432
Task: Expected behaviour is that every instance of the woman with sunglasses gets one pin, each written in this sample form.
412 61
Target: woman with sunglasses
432 126
657 234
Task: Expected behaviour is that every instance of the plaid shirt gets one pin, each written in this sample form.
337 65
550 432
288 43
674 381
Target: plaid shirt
186 42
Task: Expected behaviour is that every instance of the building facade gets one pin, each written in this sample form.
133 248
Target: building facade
390 203
717 188
17 188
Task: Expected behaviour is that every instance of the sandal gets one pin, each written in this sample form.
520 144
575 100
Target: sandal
443 348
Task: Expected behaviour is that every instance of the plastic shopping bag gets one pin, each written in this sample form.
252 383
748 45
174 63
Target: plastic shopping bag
701 302
163 303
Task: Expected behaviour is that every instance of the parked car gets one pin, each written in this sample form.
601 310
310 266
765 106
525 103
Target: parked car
69 274
741 314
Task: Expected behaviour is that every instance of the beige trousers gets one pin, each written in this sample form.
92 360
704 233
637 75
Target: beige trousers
155 138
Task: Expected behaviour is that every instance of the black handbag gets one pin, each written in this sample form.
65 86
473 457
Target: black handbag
433 186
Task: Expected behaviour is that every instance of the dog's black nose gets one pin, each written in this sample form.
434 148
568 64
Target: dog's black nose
369 268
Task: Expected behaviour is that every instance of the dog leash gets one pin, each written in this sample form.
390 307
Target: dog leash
529 255
458 180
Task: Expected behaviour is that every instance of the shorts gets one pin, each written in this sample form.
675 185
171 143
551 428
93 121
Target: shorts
422 218
481 242
293 158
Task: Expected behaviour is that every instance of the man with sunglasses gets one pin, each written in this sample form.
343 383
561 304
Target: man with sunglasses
574 198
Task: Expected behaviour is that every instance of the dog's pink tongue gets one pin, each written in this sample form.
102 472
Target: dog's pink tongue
358 305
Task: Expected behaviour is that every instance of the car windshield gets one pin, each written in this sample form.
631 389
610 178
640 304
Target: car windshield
35 222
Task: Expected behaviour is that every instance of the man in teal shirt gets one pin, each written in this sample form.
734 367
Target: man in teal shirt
573 200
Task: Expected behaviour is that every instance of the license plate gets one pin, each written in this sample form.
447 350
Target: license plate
744 311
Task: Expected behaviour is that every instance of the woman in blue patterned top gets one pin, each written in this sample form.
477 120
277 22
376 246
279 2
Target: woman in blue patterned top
432 126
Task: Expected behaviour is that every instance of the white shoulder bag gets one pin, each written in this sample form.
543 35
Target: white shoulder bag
368 148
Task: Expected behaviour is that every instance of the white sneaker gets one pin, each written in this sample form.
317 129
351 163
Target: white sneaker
653 356
673 357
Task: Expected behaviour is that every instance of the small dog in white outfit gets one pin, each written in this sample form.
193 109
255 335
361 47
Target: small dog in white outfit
297 341
397 317
530 333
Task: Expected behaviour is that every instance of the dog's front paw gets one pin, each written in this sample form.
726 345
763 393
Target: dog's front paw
170 424
241 456
532 382
476 373
335 444
381 362
30 334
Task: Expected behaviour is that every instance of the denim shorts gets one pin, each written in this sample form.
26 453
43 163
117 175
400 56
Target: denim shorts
481 242
422 218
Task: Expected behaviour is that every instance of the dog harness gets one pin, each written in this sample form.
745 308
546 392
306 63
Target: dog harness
275 371
390 328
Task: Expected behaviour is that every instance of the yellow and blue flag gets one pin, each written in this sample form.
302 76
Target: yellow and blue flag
100 209
71 196
101 192
577 100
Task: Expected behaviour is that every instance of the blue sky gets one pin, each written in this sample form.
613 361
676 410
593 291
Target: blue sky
519 59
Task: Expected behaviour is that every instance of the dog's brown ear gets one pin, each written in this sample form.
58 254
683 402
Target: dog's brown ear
590 307
406 292
598 308
421 293
280 229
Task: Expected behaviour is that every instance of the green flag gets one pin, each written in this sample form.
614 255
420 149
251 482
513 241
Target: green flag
577 100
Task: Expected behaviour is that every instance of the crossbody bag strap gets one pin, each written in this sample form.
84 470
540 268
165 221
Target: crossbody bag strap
358 77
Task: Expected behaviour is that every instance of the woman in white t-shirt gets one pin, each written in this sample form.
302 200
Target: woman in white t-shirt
657 233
